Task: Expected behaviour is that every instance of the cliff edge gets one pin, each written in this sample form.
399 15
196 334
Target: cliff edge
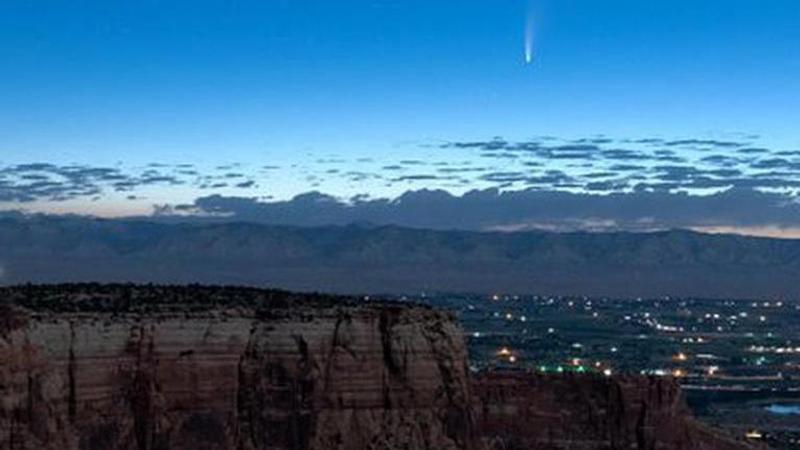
123 367
126 368
515 411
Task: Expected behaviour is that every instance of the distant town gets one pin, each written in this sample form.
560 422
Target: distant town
738 361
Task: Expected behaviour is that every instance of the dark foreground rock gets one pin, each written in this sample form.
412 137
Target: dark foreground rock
576 412
94 367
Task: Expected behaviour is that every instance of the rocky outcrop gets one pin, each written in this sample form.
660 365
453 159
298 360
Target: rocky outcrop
305 376
91 367
577 412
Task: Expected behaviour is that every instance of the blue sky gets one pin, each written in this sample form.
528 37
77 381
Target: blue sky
303 86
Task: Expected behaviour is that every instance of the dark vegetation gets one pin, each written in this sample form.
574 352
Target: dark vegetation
150 298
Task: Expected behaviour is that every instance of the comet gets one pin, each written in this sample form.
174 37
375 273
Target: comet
529 35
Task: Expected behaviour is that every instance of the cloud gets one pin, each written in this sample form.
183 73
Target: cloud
722 160
752 150
504 177
725 173
595 164
595 175
246 184
418 177
704 143
500 155
626 168
412 162
762 231
653 163
25 183
775 163
450 170
609 185
676 173
625 155
493 209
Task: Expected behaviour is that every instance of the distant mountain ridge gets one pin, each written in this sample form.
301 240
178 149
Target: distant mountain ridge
390 259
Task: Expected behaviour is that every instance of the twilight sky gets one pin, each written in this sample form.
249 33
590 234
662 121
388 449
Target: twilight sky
110 107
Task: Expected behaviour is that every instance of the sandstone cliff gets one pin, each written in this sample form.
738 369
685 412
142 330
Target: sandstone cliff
112 367
579 412
297 375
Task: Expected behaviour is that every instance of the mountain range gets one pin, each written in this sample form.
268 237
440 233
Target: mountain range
363 259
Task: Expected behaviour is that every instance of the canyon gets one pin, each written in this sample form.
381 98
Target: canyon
96 367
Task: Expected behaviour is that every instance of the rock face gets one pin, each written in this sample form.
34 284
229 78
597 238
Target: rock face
576 412
89 367
300 377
